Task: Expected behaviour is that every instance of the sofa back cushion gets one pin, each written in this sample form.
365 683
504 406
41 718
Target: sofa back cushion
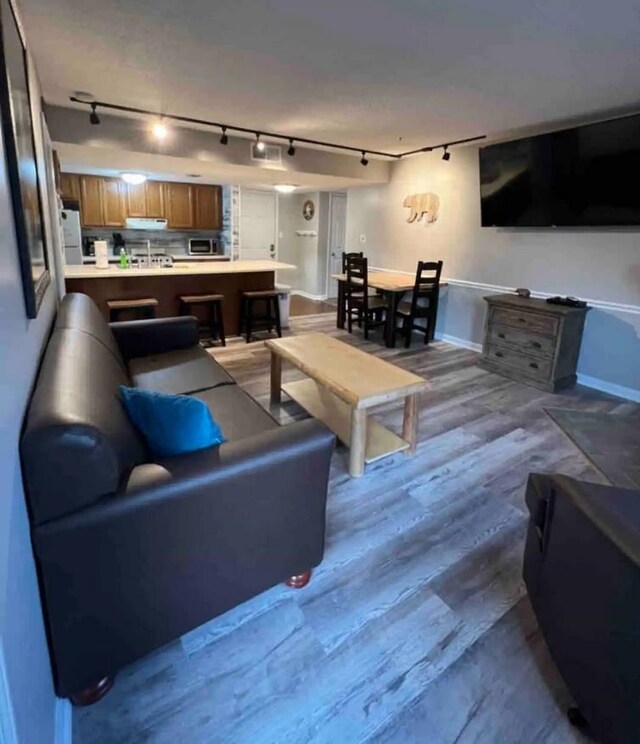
78 443
79 311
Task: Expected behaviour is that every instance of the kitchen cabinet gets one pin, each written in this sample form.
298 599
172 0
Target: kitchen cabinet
207 211
107 202
113 202
136 200
70 186
155 199
179 197
91 208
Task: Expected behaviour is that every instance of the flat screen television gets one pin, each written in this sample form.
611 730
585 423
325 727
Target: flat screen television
581 177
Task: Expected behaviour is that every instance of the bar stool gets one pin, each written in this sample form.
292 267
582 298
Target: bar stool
269 319
214 326
143 308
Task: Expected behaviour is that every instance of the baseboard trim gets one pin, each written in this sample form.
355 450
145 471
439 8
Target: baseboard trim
455 341
63 722
620 391
308 295
616 307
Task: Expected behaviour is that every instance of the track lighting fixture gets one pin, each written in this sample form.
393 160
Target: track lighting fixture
160 131
93 117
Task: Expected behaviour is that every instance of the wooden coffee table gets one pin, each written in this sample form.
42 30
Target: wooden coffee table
344 383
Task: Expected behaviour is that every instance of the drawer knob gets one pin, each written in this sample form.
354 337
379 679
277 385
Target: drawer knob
536 344
501 335
534 365
499 354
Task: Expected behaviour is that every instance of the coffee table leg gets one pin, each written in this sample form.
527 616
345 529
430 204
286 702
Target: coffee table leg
358 441
410 423
276 378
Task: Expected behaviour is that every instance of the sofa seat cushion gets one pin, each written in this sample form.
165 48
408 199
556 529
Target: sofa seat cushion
237 414
179 372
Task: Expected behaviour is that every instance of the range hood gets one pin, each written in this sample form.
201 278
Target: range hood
145 223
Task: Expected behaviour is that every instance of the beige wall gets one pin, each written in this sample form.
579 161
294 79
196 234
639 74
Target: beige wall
600 264
305 252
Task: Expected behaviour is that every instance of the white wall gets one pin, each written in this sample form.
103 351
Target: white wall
601 265
307 253
27 701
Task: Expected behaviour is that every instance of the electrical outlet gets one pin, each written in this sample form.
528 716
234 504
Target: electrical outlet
363 238
280 235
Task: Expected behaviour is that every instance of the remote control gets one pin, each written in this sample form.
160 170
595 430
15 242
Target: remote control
568 301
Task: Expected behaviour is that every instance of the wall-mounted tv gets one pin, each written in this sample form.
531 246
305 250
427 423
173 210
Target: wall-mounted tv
581 177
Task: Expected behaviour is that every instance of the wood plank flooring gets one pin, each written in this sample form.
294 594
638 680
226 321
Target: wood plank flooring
416 627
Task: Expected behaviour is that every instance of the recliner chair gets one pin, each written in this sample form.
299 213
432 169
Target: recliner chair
582 571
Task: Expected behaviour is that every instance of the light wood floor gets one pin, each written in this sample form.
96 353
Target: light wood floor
416 627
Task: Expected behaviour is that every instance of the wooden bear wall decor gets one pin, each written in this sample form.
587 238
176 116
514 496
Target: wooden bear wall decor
421 204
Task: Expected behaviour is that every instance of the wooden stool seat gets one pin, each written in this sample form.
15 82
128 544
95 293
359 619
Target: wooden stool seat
263 293
142 308
197 299
213 326
269 319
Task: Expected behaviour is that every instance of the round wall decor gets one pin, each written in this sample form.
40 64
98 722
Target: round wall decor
308 209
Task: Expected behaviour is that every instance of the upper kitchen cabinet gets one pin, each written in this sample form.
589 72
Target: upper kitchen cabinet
70 186
136 199
155 199
91 209
179 198
207 212
114 202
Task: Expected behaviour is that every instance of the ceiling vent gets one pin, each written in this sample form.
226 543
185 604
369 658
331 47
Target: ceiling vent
269 154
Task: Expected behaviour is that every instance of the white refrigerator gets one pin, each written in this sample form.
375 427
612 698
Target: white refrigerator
72 236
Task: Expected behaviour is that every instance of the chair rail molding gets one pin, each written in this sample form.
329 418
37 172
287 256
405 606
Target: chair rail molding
618 307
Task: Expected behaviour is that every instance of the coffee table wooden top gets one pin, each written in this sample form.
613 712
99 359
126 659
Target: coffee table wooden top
357 378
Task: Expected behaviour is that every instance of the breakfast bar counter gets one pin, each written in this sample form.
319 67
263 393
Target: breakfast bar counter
166 285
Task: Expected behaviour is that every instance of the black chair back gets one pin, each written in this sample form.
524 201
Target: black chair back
347 256
427 283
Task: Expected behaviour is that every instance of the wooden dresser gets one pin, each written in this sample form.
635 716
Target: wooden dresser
532 341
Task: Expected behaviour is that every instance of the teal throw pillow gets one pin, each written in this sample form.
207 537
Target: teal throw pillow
171 424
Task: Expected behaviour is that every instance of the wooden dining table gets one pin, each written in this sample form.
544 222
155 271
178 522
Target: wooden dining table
393 286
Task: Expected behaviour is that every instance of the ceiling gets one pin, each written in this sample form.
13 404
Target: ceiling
362 74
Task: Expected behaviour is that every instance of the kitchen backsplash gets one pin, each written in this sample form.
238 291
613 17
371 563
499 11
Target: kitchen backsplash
175 242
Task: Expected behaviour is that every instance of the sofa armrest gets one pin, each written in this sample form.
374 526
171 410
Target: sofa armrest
184 541
138 338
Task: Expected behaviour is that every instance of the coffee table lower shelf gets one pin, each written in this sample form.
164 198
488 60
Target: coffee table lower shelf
336 414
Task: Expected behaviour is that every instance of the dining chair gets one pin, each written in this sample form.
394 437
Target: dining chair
369 310
424 302
347 256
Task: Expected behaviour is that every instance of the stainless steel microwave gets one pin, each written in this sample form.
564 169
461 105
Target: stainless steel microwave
203 247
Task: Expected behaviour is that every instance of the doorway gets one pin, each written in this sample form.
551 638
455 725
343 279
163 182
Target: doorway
258 224
337 235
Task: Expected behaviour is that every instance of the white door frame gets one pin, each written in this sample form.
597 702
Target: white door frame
332 195
276 217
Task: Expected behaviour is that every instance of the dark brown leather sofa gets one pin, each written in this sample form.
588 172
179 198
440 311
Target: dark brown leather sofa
133 553
582 571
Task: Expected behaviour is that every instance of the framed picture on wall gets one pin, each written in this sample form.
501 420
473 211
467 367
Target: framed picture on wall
20 157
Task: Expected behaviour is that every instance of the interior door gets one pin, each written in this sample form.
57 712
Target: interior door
257 225
337 234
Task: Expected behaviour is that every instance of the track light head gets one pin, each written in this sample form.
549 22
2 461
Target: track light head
93 116
363 159
292 150
224 140
259 143
160 130
446 155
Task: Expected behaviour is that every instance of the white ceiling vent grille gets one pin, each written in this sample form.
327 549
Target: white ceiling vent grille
270 153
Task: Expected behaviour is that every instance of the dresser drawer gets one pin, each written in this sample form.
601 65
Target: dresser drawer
535 322
538 367
526 341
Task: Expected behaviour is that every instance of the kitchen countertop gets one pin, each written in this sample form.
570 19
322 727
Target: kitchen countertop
183 268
